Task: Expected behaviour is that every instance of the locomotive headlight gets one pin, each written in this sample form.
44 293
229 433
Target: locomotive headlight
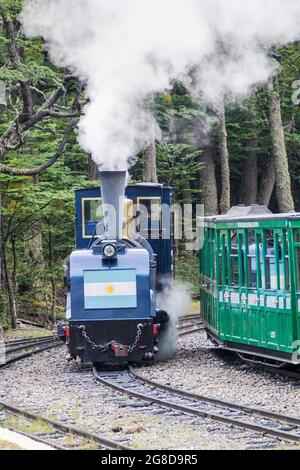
109 251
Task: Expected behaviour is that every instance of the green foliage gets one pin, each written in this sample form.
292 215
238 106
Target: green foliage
10 7
178 167
187 271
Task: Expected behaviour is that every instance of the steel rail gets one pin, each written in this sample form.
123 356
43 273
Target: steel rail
215 401
292 374
66 428
26 346
194 316
16 342
20 357
190 332
187 409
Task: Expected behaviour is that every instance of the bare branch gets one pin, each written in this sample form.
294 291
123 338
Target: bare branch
63 116
41 168
11 137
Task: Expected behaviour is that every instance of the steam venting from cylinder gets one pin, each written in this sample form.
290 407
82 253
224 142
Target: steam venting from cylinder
113 185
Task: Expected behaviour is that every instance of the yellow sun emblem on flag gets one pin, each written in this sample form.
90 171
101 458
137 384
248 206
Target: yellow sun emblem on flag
110 289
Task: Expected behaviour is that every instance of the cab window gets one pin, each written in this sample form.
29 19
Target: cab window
92 210
149 221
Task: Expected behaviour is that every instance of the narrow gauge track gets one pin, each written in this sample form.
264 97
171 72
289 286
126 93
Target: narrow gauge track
189 331
19 345
267 423
62 436
26 340
282 371
30 348
186 318
61 432
189 325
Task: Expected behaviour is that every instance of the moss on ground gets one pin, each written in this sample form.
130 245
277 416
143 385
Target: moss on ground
18 423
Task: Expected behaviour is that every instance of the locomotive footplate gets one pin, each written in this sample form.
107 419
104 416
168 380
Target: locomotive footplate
111 341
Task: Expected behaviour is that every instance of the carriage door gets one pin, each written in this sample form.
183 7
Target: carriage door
295 280
224 323
238 283
277 316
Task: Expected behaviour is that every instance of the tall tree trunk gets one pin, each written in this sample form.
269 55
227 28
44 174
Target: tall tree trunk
35 256
10 289
224 160
53 280
2 277
267 181
5 276
93 171
208 184
150 170
34 249
249 181
283 181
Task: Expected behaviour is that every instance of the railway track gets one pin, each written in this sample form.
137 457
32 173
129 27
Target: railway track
189 331
27 347
187 318
283 371
58 435
189 324
19 345
266 423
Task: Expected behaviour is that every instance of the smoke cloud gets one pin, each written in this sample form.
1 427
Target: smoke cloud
175 298
128 50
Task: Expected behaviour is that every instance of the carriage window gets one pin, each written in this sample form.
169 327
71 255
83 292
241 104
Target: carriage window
282 267
297 235
253 257
223 257
234 270
92 210
298 268
237 259
271 271
234 259
287 263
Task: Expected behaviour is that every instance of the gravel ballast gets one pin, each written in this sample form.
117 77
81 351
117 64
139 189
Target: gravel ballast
48 385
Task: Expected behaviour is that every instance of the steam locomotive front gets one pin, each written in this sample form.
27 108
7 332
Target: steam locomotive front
112 309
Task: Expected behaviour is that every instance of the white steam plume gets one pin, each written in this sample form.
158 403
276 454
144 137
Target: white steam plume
175 299
126 50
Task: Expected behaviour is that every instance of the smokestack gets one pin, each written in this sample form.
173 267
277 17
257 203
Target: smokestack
113 185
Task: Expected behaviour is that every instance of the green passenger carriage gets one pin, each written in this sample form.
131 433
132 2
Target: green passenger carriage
250 283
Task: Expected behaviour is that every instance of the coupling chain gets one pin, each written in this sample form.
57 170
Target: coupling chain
105 347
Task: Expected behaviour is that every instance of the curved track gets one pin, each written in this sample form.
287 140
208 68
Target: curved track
59 437
62 436
286 371
30 347
267 423
21 345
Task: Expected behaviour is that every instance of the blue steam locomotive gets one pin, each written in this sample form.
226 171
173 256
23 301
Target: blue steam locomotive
124 252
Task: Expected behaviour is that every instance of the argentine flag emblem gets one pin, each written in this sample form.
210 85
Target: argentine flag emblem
110 289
